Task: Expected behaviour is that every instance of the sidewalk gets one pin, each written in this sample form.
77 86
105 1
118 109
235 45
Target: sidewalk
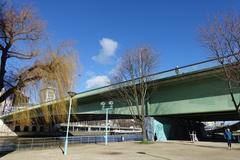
170 150
206 144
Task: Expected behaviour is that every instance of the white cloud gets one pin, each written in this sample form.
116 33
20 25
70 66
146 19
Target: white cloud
108 50
114 70
97 81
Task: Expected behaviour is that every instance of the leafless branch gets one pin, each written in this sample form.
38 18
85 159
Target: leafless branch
16 25
21 28
222 37
132 79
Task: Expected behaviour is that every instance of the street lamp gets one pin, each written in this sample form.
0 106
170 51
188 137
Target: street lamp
106 123
71 95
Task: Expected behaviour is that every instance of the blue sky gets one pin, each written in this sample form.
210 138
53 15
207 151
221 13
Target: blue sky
104 29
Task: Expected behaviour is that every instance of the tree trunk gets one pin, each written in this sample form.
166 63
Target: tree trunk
3 65
4 96
143 120
144 133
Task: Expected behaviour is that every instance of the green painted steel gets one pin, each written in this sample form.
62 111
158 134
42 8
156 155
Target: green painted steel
180 97
95 108
197 92
194 96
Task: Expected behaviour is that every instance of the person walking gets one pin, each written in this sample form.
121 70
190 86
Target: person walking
191 136
229 137
195 139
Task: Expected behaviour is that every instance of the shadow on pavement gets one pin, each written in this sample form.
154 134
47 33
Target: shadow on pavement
205 146
155 156
2 154
112 153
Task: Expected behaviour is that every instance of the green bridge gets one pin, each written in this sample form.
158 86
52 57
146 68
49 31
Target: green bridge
198 95
180 100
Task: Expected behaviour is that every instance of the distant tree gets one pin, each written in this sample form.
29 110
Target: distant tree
221 36
131 79
20 29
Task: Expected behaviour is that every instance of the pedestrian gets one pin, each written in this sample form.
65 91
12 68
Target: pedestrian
191 136
229 137
122 137
195 139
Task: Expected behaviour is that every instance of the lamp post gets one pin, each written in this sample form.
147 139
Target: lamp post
71 95
106 123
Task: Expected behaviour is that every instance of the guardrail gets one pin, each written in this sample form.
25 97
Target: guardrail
207 64
53 142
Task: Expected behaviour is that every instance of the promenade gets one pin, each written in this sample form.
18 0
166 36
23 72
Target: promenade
171 150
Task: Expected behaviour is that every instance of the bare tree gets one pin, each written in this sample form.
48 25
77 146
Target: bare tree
19 30
15 26
131 79
222 37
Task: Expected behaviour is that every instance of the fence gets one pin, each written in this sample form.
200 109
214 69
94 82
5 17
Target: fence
51 142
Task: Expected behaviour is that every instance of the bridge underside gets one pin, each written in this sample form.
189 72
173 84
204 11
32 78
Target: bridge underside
199 117
94 117
214 116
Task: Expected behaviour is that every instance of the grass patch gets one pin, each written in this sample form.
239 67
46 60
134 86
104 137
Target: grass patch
146 142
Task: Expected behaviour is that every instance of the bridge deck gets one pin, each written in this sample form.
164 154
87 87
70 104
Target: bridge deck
199 92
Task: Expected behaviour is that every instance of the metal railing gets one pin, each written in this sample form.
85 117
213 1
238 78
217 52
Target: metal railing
212 63
54 142
198 66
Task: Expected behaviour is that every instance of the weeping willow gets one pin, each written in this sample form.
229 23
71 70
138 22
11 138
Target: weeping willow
56 70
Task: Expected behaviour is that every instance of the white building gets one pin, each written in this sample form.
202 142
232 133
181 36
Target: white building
47 94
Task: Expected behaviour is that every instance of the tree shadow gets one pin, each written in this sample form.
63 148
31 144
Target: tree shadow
155 156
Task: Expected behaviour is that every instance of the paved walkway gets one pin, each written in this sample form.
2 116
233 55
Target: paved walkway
171 150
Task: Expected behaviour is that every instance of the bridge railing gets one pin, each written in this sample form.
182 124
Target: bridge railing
207 64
